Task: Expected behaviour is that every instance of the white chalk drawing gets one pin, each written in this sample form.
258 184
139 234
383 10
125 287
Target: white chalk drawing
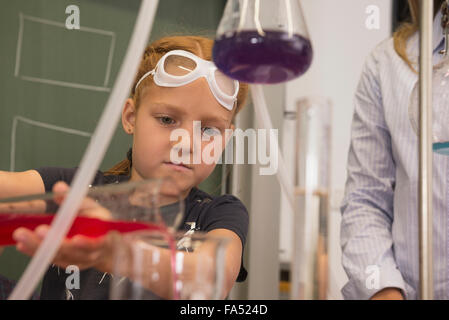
104 88
18 119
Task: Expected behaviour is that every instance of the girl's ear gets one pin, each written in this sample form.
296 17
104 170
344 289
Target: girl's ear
129 116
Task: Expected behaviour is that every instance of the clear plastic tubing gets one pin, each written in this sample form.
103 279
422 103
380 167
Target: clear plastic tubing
263 117
92 157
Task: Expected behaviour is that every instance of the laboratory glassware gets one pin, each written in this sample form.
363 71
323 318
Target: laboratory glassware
142 266
154 204
309 267
260 41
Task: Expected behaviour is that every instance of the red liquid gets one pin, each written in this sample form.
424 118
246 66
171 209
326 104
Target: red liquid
275 57
90 227
172 246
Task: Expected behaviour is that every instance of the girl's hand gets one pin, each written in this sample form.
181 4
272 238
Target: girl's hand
82 251
89 208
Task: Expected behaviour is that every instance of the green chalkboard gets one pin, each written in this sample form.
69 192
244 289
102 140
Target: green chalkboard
55 81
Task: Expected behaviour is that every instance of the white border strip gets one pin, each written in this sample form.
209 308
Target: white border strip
108 68
49 126
65 84
62 25
111 34
19 45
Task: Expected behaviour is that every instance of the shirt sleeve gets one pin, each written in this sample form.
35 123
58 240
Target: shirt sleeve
51 175
227 212
367 209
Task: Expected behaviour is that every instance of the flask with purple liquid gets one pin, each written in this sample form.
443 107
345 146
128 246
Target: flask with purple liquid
262 42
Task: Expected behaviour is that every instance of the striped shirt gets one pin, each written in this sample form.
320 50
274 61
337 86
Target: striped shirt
379 229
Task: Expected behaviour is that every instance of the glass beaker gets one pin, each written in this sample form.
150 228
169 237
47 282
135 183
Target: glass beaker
440 107
130 206
125 207
312 193
152 265
262 41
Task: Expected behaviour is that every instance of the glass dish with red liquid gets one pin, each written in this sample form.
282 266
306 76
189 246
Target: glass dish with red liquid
144 206
126 207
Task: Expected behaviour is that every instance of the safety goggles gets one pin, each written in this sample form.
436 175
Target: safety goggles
178 67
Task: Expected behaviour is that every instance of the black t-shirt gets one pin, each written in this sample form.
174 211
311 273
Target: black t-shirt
208 212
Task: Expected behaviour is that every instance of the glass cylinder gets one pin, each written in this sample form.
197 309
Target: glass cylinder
309 268
152 265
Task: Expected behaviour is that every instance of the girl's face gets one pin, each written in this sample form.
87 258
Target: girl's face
163 110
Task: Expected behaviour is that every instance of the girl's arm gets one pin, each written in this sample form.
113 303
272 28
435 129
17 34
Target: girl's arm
14 184
233 257
85 253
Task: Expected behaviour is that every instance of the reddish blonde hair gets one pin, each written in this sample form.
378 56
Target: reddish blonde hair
407 29
197 45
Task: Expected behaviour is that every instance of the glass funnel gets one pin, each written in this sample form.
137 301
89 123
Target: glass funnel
119 208
440 108
262 41
143 260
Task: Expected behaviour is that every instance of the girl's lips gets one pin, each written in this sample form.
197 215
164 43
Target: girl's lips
177 167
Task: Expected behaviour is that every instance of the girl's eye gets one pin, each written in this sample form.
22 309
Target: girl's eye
166 121
210 131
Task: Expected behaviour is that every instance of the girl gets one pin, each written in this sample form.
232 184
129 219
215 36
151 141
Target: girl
176 88
379 231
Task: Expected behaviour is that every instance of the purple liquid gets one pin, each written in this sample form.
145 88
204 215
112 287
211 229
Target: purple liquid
249 57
